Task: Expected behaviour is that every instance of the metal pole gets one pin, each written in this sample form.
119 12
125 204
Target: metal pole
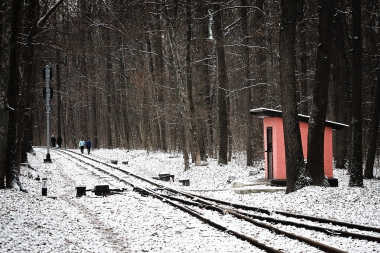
47 79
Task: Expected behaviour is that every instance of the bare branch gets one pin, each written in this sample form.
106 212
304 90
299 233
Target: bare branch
48 14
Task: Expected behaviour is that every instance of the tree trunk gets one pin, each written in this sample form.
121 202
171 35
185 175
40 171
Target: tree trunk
173 28
356 169
156 137
202 79
13 152
109 80
28 63
373 132
94 118
247 82
339 97
316 131
372 42
303 57
160 81
222 90
293 147
196 157
6 9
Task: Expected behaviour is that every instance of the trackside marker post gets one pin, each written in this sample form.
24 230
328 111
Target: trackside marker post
44 186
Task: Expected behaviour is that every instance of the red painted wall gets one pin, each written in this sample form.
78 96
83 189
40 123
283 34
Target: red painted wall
279 167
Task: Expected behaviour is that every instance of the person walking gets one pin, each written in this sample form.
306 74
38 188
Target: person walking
53 141
88 145
59 141
82 143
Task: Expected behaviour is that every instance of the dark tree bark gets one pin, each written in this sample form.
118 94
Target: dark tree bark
59 98
173 30
6 12
109 79
356 169
202 78
339 96
27 54
247 82
195 154
13 151
155 124
373 132
259 64
222 80
161 96
315 146
372 41
273 18
94 115
2 9
159 80
295 165
303 57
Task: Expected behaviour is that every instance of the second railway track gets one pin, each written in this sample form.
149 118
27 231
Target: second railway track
235 218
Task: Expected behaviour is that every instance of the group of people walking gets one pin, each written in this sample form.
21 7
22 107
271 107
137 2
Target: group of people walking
82 143
56 140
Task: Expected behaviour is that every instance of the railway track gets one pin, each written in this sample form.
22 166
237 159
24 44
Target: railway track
221 214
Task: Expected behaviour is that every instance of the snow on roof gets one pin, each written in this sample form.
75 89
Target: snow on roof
265 112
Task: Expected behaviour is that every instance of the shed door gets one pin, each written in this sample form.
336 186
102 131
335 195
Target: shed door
269 152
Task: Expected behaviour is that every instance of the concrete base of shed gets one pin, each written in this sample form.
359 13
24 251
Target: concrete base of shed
239 184
282 182
247 190
246 187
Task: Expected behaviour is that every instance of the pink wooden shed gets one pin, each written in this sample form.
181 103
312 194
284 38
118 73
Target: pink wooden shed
275 148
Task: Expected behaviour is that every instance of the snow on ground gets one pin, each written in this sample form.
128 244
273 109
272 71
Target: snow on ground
129 222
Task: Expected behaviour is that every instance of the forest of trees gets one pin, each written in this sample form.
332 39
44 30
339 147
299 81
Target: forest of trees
182 75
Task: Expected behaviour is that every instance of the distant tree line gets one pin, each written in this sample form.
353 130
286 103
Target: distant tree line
182 75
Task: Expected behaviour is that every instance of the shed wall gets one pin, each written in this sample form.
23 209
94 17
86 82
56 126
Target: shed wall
279 165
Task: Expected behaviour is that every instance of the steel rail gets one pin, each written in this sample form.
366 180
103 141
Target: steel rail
203 201
223 211
192 212
293 215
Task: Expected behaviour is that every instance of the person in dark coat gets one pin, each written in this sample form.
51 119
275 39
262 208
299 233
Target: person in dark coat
53 141
59 141
88 145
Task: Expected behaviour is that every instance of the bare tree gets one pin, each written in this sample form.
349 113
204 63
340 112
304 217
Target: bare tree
196 156
372 41
315 146
303 55
201 78
13 148
295 166
247 83
173 27
356 169
340 83
6 14
222 80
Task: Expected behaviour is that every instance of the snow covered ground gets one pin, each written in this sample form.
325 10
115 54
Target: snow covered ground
129 222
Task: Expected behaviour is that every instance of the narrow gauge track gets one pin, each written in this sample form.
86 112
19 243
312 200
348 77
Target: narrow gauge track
180 199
